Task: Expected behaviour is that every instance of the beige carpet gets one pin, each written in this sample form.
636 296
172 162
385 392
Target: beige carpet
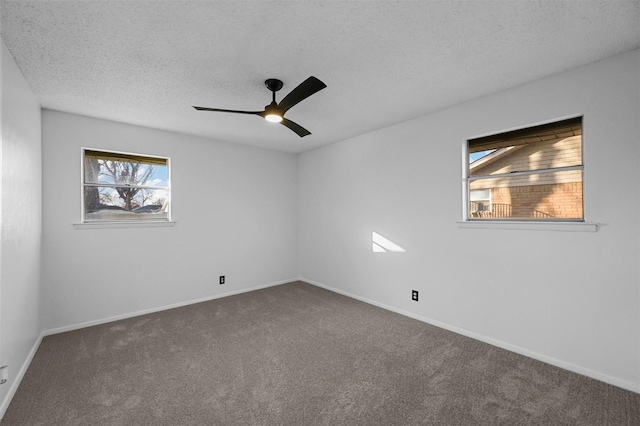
296 354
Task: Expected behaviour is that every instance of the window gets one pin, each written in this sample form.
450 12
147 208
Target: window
528 174
120 187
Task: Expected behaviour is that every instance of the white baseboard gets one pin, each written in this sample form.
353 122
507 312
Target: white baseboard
160 308
16 383
615 381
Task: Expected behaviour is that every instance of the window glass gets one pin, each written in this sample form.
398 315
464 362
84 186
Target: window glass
124 187
532 174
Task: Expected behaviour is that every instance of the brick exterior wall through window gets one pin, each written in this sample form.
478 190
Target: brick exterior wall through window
560 200
539 195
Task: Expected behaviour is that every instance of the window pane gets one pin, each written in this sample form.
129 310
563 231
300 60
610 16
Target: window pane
552 195
527 135
124 203
125 187
141 171
549 154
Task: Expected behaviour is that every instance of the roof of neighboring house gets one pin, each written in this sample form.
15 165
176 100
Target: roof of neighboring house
490 158
508 143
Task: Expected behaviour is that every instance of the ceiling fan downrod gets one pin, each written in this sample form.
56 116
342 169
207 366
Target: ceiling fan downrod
274 85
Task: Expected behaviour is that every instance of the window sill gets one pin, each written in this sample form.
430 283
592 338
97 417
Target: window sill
111 225
530 226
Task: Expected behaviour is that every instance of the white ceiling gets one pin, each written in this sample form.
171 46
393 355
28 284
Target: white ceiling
148 62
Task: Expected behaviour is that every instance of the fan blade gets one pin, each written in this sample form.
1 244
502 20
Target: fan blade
300 93
228 110
301 131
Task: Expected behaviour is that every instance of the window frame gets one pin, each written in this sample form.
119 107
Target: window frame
570 224
125 223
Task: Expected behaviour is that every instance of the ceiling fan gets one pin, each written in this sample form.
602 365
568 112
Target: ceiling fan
274 112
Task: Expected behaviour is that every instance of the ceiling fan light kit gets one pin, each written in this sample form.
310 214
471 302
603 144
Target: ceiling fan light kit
271 112
273 118
274 112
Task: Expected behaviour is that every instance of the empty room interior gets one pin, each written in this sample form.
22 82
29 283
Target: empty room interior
441 225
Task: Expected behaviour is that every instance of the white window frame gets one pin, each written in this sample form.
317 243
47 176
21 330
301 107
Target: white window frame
560 224
91 224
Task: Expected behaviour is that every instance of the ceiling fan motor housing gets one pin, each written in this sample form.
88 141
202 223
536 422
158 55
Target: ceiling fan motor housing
273 84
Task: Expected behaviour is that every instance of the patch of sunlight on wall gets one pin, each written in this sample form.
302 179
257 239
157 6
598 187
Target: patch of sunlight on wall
380 244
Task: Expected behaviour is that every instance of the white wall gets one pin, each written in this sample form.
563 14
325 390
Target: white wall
235 209
569 298
21 190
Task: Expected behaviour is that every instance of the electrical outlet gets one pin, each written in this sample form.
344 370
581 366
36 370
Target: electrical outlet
4 374
221 279
414 295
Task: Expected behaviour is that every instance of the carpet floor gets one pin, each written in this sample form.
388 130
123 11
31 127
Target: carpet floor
296 354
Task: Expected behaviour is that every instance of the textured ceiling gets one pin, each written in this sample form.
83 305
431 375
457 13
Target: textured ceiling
148 62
